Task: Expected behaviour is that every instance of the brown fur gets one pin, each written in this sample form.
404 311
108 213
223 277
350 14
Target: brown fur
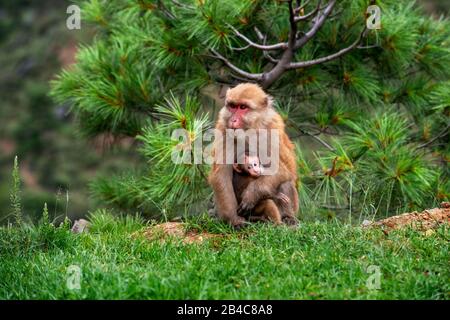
261 116
266 208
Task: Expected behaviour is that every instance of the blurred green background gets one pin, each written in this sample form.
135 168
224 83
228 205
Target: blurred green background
56 163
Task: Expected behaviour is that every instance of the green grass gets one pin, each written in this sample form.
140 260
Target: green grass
314 261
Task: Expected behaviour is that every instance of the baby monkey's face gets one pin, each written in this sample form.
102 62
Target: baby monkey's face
252 166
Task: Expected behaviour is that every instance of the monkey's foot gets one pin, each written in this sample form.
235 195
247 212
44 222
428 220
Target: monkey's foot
240 227
258 219
238 223
290 221
212 212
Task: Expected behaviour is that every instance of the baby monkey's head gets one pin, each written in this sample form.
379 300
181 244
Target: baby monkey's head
251 166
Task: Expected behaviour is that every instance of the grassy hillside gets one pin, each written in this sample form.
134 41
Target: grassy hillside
314 261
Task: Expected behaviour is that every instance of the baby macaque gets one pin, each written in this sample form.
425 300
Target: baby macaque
251 166
266 209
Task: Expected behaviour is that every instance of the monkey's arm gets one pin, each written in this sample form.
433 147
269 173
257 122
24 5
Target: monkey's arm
265 187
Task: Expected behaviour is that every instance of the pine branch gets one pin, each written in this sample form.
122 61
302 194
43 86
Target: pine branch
183 5
271 59
241 48
164 10
369 47
277 71
318 139
293 25
262 37
308 15
277 46
248 75
285 63
440 135
303 64
322 142
318 23
300 7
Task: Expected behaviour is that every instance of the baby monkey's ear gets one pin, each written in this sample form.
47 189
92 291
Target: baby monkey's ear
237 168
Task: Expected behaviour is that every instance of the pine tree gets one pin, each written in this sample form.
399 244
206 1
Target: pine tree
369 108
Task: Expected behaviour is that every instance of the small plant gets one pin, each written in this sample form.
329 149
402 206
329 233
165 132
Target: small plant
48 236
65 224
15 197
45 218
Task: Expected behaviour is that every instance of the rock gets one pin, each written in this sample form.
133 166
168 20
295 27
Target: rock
445 205
366 223
423 221
81 226
164 231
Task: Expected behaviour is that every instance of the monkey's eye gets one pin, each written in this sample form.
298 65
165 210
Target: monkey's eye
232 106
243 107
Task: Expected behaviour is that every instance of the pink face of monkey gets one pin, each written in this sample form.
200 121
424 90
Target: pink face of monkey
245 106
238 112
252 166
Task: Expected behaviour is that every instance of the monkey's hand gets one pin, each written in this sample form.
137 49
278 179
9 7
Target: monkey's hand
244 207
283 199
249 199
262 188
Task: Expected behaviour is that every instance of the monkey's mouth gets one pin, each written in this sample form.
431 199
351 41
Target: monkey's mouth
238 127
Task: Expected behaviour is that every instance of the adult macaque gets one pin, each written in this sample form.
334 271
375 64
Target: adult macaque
247 106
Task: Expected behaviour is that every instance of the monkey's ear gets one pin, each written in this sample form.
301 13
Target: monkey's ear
268 101
236 168
265 102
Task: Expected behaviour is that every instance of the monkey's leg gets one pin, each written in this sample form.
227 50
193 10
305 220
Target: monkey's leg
288 210
257 219
267 208
257 215
265 187
225 201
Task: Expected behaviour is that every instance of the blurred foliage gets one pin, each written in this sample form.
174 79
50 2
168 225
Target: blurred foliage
381 112
371 127
55 164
